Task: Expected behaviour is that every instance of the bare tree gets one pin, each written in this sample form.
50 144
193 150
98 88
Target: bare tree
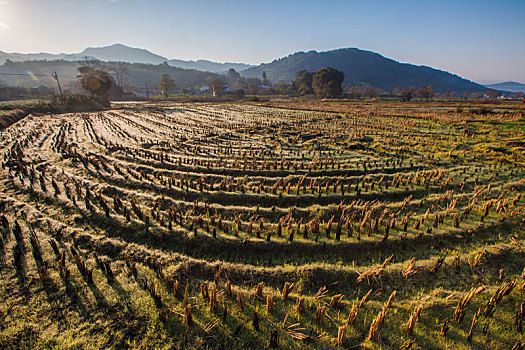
120 71
407 93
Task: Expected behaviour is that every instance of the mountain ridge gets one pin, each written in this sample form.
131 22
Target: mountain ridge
123 53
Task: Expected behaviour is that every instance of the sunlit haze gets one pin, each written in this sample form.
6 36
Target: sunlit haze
480 40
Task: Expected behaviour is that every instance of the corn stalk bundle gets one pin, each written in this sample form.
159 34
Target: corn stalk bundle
341 335
506 289
300 306
335 301
377 323
269 303
411 268
287 289
520 317
240 301
320 314
462 306
376 271
414 317
259 290
322 292
439 262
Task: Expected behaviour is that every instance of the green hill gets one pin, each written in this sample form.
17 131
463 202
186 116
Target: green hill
364 68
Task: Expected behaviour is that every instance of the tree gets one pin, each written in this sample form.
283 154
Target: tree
327 82
97 82
421 91
235 81
166 85
239 93
121 71
518 95
91 62
429 92
426 92
372 92
253 85
396 91
217 87
303 82
491 93
232 76
265 81
407 94
355 92
476 95
286 88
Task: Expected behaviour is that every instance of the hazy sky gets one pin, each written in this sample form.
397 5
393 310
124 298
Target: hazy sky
481 40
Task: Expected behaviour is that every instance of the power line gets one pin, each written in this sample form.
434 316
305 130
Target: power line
38 75
31 74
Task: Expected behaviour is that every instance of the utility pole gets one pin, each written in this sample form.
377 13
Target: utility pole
147 91
55 75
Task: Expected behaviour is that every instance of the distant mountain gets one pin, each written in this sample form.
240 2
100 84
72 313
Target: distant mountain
123 53
118 53
16 57
209 66
511 86
363 68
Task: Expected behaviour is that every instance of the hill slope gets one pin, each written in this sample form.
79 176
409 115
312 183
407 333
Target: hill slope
511 86
361 68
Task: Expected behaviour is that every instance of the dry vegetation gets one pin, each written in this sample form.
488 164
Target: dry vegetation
253 226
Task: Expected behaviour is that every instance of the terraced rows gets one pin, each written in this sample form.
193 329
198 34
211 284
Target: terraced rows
244 226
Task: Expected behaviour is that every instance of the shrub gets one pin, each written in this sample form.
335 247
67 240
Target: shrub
482 110
75 103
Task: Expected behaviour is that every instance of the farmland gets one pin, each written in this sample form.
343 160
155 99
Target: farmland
245 225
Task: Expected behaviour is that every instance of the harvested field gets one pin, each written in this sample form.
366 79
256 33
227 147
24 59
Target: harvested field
251 226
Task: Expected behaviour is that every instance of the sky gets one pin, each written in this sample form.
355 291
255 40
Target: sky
480 40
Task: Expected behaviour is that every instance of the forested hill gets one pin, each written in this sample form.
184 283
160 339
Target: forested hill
363 68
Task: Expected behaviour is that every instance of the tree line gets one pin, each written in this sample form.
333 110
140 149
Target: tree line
109 80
